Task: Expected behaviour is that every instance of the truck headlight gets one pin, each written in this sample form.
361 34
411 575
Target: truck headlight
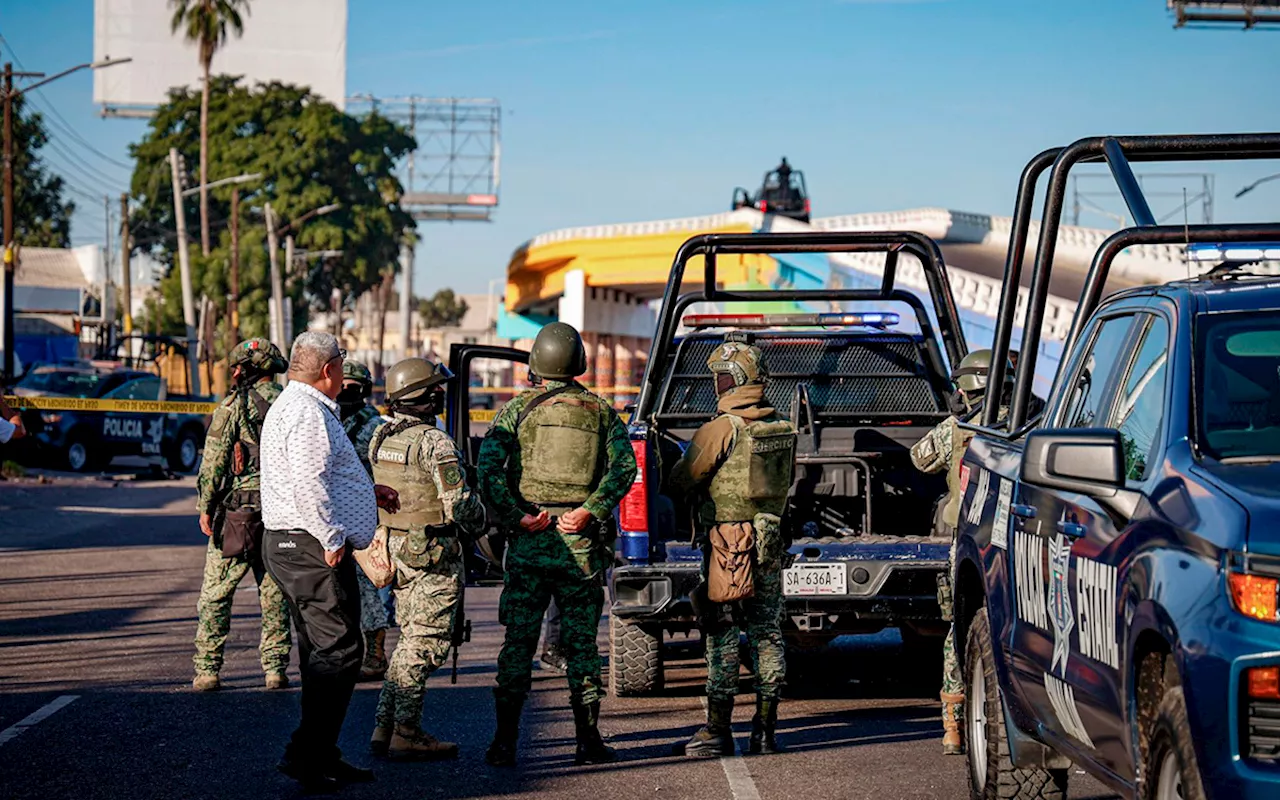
51 417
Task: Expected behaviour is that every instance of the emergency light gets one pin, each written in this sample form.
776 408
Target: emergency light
1248 251
869 319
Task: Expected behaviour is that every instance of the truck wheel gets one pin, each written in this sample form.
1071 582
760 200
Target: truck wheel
186 451
1171 772
80 457
991 772
635 659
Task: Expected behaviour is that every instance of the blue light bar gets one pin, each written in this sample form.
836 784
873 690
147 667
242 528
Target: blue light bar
1241 251
871 319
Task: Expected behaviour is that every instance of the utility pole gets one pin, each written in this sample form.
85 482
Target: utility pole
184 263
286 330
277 290
406 297
10 265
235 265
126 279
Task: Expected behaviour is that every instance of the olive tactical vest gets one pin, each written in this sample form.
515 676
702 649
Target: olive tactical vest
756 477
395 464
561 441
955 492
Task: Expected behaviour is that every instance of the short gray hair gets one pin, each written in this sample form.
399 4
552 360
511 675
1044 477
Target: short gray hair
311 351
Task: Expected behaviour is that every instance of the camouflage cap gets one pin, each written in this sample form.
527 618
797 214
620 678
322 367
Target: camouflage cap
261 354
353 370
743 361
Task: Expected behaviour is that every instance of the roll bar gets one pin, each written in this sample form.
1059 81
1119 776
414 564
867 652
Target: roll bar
1118 152
712 244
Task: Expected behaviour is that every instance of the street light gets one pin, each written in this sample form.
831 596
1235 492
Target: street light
1255 184
10 261
250 178
277 286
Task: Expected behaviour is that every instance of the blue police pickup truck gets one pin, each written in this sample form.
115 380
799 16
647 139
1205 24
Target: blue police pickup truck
861 387
1118 555
84 441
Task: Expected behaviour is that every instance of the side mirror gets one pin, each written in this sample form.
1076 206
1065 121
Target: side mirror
1089 461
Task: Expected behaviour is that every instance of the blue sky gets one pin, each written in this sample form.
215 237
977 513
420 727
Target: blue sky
621 111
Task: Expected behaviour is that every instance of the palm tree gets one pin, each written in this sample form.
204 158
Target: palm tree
205 23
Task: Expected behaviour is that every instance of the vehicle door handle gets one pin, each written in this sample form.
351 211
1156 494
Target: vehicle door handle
1026 512
1073 530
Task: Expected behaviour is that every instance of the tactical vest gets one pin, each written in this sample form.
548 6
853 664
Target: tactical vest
356 422
756 477
561 436
959 443
395 463
246 455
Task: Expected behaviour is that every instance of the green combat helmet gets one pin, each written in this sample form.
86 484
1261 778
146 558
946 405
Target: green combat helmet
353 370
412 381
970 377
260 354
558 353
736 364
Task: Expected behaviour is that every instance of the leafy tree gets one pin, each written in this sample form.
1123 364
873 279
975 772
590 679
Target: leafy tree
206 24
443 309
41 218
309 154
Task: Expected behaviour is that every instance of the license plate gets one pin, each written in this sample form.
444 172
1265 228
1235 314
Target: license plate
815 579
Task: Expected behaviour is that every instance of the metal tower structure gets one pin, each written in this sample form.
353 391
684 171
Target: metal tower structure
1204 13
1188 190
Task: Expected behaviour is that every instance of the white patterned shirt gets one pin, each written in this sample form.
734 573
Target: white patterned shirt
312 479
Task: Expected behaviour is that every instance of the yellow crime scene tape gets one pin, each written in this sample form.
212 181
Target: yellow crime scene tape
152 406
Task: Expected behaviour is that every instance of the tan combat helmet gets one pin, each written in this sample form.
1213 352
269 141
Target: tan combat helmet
412 381
736 364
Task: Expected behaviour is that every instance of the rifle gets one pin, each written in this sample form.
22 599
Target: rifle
461 628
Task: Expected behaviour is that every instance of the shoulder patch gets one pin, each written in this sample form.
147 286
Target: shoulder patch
450 475
219 421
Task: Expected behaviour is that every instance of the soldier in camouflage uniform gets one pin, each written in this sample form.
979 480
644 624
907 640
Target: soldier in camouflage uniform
439 516
944 448
560 455
741 463
360 420
228 480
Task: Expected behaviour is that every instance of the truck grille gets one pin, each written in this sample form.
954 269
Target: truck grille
1262 731
874 374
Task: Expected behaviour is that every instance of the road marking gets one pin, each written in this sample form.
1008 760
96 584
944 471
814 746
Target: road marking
14 731
741 786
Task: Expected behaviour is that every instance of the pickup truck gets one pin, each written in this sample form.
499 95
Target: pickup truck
1118 558
861 391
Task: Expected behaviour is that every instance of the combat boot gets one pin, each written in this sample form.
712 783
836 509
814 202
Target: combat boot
506 739
277 680
716 737
952 713
380 742
553 659
375 655
763 725
591 748
206 683
414 744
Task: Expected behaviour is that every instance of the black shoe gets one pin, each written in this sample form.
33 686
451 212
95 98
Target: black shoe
346 774
763 725
312 780
716 737
501 754
591 748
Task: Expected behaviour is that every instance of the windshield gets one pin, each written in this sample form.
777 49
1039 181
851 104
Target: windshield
1238 384
72 384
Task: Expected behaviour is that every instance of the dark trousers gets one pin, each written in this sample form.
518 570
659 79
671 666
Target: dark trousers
325 605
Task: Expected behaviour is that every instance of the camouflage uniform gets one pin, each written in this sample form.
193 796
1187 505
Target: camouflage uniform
943 448
235 419
539 566
360 428
439 516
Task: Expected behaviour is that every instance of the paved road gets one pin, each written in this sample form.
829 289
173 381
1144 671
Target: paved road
98 582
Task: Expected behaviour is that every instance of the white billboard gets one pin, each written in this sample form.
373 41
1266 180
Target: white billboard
294 41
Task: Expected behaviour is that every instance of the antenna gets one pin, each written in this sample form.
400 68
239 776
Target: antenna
1186 232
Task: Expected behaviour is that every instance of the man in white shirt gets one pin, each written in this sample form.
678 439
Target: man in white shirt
10 423
318 503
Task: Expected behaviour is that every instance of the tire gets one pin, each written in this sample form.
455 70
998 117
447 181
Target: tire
185 453
1171 771
80 456
635 659
991 772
